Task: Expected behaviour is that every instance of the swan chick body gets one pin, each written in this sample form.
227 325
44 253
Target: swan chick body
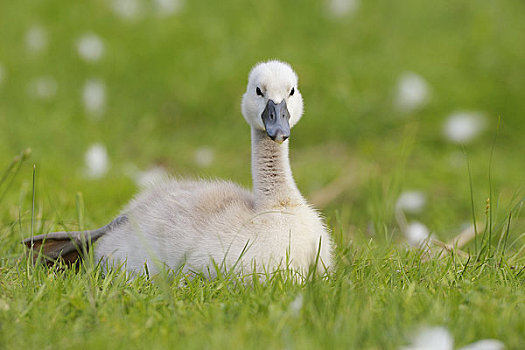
203 225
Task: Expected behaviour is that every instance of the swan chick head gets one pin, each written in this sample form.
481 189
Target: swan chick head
272 101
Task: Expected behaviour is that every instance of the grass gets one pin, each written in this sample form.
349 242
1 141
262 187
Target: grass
375 299
173 85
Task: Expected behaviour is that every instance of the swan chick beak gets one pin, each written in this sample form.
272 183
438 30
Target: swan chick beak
276 121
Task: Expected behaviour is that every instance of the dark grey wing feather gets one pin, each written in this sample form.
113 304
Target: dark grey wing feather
67 246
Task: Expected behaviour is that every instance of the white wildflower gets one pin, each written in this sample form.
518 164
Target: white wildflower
411 201
296 305
36 39
340 8
412 92
90 47
416 233
94 97
127 9
167 7
439 338
97 161
432 338
464 126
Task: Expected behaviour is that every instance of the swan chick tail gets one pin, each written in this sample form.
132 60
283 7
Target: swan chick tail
70 247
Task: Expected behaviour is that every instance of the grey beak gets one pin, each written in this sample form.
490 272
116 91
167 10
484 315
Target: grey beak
276 121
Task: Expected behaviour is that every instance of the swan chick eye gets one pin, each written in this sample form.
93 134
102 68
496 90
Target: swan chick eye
259 92
292 92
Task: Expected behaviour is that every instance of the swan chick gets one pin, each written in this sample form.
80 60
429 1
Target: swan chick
201 226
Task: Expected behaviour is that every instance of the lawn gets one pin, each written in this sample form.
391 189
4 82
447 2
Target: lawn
413 125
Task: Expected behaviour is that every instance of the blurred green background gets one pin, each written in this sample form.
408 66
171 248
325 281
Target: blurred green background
157 85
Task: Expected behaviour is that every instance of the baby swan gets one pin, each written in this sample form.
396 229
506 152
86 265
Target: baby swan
201 225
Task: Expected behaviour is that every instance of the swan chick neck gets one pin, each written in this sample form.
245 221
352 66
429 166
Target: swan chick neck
273 183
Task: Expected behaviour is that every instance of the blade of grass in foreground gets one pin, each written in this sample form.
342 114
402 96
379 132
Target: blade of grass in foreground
11 171
472 204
